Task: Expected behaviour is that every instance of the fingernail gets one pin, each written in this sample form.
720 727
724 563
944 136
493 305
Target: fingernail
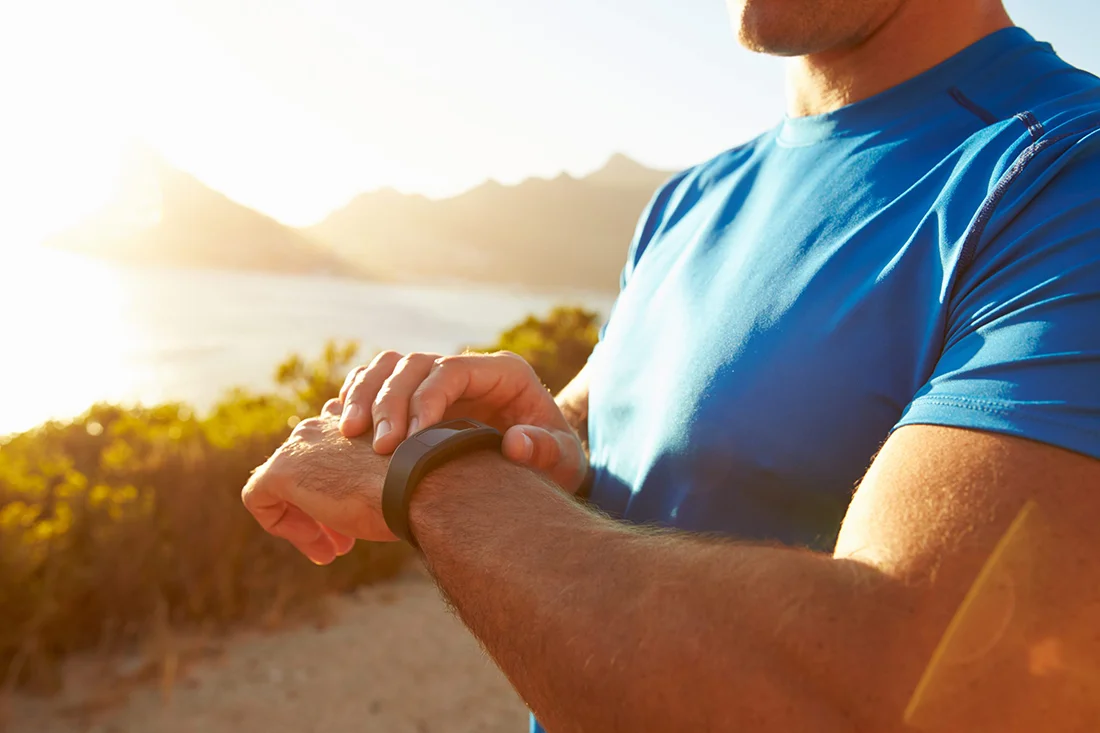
528 447
351 412
414 425
381 429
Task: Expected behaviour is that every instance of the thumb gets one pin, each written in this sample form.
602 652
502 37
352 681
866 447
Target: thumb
532 447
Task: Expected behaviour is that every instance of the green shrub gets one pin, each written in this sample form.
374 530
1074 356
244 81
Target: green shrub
557 346
127 521
127 518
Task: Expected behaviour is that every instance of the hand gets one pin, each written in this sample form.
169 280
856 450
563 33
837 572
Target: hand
400 395
321 491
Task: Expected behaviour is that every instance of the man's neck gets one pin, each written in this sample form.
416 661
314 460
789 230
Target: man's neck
914 39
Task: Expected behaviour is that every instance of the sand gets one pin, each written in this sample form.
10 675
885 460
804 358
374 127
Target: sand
390 658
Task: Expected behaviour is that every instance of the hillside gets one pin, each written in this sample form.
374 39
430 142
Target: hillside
545 234
162 216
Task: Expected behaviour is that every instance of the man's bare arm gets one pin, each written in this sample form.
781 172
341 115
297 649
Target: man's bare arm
573 401
621 629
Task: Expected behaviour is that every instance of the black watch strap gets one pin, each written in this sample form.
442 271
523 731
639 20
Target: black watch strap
418 455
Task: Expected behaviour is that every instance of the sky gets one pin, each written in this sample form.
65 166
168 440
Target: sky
295 106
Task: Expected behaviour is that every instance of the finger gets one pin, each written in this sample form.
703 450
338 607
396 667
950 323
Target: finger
532 447
320 552
341 543
311 427
264 497
266 506
469 377
444 386
306 534
360 396
333 408
391 407
350 380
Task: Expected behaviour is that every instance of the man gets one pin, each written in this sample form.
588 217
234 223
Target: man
904 274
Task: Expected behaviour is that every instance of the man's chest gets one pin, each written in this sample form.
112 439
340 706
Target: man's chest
770 349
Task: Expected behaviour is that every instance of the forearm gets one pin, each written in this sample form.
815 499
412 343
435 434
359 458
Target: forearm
605 628
573 403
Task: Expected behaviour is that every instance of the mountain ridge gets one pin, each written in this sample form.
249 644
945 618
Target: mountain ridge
542 233
194 226
560 233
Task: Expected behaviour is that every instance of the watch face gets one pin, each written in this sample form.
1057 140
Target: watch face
435 436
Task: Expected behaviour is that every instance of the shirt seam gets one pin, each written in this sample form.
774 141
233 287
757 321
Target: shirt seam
994 407
1034 126
991 202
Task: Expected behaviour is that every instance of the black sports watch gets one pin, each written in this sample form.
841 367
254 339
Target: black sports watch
419 454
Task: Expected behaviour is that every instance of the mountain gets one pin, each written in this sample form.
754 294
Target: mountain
544 234
163 216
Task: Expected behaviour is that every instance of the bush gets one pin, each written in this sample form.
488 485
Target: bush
125 519
557 347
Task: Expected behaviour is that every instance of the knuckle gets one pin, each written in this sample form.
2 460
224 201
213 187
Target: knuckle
354 374
450 364
385 357
411 361
252 491
380 401
309 427
424 396
448 361
351 378
384 398
357 383
513 361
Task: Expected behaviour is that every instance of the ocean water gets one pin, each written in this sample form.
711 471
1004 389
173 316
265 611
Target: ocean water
74 331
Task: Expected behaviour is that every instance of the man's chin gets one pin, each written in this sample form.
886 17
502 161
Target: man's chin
798 27
762 31
760 43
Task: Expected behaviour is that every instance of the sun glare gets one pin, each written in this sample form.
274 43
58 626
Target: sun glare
69 335
61 140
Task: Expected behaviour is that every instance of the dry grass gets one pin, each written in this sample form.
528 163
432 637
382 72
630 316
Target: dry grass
125 525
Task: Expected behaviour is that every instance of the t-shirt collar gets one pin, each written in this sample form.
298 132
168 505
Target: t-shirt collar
905 99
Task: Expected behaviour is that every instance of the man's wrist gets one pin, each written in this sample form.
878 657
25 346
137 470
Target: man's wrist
445 495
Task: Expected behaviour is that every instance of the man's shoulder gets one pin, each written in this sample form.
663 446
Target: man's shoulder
1062 140
1045 130
1050 96
1070 109
1039 206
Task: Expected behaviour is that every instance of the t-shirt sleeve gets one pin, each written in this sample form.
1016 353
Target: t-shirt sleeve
1022 349
648 225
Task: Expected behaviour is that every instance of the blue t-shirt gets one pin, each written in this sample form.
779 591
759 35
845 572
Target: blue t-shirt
929 255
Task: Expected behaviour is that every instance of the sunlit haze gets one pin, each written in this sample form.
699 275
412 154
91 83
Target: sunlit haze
293 107
215 212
